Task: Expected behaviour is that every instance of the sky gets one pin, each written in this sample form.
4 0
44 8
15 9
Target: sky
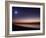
25 12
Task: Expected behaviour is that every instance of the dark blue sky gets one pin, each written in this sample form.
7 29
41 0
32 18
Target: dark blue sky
25 12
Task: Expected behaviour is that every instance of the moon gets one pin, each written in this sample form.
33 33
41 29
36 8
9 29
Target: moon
16 12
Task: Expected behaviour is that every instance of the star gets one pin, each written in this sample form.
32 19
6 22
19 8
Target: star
16 12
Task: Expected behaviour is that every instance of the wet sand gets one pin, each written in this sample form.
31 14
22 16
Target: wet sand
25 24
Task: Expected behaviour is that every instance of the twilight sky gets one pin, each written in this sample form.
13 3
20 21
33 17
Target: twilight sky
25 12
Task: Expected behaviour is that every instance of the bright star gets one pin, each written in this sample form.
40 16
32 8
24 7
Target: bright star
16 12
